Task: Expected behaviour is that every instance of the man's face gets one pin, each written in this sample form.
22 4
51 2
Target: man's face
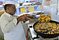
48 2
11 9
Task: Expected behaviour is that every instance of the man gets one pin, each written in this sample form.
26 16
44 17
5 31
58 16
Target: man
49 8
11 25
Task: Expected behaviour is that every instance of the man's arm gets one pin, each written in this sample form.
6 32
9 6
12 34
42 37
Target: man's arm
7 26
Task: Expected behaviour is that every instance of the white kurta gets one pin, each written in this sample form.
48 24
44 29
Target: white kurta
11 30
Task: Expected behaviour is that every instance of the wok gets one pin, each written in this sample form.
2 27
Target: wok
46 35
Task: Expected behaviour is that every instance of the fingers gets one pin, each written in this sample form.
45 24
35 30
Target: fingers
25 17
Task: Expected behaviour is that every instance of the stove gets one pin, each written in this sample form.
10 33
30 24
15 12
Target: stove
34 36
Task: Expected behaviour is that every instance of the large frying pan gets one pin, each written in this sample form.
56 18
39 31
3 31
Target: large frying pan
46 35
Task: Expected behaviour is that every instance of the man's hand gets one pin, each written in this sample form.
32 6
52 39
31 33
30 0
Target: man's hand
24 18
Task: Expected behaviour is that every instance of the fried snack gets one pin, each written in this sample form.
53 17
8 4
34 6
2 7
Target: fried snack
52 28
44 18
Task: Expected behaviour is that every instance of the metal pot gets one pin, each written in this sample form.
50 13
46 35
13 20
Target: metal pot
45 35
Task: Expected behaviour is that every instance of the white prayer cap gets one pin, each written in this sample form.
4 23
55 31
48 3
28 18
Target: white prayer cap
11 2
